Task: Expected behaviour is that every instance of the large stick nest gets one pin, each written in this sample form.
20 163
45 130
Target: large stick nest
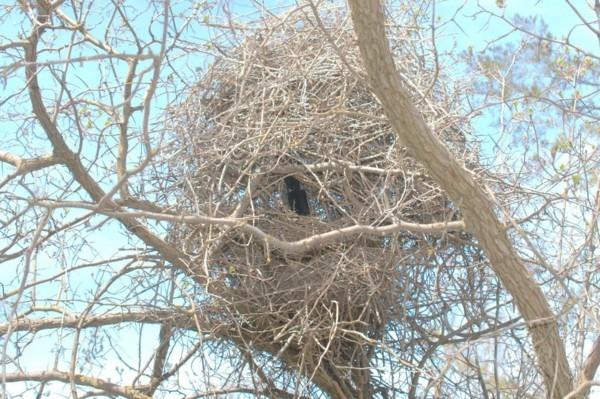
284 103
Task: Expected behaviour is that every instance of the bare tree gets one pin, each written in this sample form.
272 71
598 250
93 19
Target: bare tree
206 200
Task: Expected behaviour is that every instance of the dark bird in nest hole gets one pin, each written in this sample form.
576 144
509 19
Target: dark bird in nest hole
297 199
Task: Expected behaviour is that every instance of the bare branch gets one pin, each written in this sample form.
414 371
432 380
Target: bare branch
180 319
94 382
297 247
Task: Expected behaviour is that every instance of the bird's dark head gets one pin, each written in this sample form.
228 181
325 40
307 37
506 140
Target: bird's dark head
292 183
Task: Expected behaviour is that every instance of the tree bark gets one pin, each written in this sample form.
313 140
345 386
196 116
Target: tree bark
475 205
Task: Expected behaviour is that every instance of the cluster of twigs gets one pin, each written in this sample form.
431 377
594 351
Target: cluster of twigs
286 103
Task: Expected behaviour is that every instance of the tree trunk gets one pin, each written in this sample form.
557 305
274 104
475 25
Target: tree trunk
368 19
